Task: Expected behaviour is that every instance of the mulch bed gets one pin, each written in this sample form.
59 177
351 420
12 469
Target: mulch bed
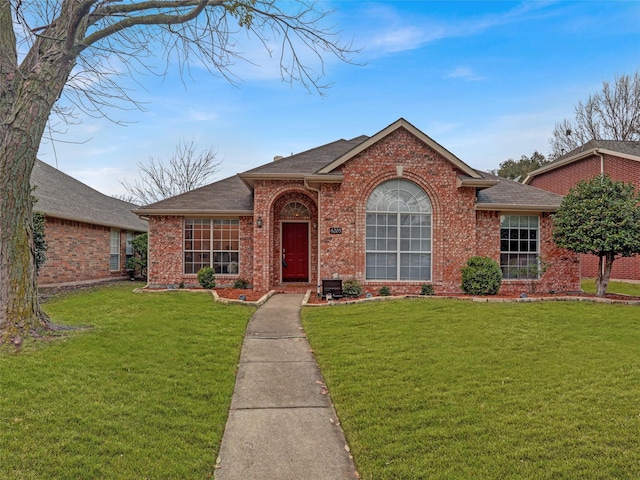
234 294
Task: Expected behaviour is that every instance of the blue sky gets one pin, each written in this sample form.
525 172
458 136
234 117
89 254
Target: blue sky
487 80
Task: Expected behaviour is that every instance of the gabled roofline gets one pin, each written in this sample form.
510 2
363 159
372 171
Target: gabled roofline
401 123
575 158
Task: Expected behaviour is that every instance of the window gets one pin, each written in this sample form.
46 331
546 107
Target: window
519 243
211 243
295 210
114 247
398 233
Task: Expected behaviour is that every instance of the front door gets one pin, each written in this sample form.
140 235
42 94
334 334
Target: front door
295 252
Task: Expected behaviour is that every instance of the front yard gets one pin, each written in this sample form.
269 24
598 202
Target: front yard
143 393
455 389
424 388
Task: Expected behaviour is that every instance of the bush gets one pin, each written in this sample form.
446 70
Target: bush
481 276
241 283
384 291
351 288
207 277
426 289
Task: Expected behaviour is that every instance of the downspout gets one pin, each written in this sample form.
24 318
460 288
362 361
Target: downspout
596 152
318 230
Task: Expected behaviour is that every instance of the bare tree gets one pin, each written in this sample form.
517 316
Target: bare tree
612 114
185 171
77 48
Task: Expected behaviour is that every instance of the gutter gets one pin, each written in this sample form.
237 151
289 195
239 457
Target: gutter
510 207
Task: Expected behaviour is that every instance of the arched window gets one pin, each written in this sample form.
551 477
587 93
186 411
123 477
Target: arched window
398 242
295 210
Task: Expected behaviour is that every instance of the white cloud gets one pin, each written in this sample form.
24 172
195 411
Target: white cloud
464 73
386 30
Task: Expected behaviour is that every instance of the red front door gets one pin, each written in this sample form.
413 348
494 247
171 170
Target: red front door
295 252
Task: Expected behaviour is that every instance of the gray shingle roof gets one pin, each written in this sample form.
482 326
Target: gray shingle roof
309 161
513 195
626 148
229 194
62 196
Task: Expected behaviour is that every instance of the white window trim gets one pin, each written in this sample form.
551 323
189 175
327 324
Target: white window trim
114 248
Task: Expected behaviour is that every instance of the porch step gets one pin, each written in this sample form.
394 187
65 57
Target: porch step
294 288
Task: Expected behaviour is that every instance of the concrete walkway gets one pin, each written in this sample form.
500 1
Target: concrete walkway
281 425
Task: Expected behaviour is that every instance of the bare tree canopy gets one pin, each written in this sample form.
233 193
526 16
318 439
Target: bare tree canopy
612 114
185 171
81 48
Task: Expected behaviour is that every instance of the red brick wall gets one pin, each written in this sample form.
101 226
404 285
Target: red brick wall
78 251
560 180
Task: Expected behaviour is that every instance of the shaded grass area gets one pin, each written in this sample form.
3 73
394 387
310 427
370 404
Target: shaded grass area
143 393
450 389
624 288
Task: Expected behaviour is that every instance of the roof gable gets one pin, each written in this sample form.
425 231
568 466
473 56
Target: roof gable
400 123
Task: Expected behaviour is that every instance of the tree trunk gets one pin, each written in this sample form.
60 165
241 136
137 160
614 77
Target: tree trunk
605 262
27 98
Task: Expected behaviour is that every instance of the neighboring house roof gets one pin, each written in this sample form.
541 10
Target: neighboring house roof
628 150
234 195
62 196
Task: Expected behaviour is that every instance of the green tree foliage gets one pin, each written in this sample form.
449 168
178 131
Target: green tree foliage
519 169
481 276
139 261
600 216
39 240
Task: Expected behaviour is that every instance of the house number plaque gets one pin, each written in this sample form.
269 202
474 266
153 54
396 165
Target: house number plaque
335 230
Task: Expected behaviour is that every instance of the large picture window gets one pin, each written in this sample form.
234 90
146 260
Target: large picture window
519 242
211 243
398 233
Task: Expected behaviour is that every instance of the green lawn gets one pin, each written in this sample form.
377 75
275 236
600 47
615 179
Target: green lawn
452 389
144 393
624 288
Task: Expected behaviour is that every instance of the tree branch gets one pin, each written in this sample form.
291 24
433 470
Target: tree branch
155 19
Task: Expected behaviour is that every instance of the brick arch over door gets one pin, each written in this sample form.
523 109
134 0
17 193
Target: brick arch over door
286 198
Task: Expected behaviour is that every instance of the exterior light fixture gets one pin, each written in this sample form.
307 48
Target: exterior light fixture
259 222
